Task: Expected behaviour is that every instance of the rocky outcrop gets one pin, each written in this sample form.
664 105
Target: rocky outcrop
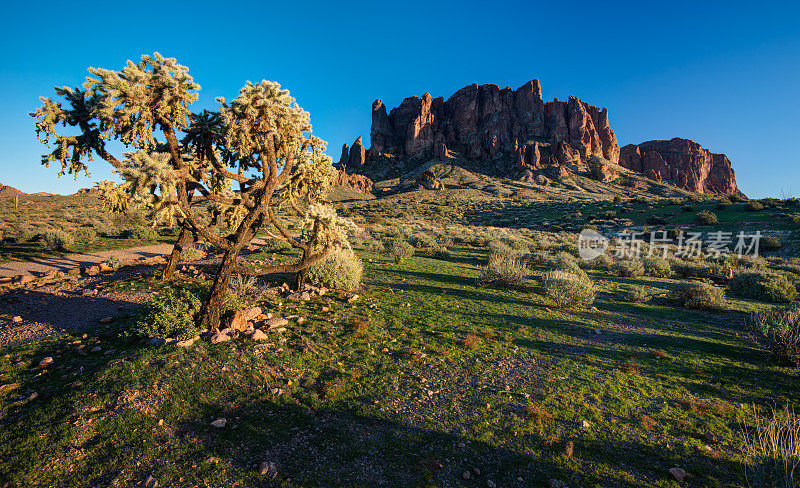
429 181
485 123
354 181
683 163
9 191
353 157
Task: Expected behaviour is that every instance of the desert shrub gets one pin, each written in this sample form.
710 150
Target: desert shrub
191 253
608 214
444 240
567 262
602 262
706 217
57 240
769 243
628 268
422 241
172 313
763 285
700 296
140 233
771 449
340 269
30 236
86 234
637 294
373 245
657 267
276 245
442 253
780 329
114 262
568 290
754 206
692 269
399 250
504 269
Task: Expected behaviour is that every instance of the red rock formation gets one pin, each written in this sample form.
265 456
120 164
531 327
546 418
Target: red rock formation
429 181
354 181
484 122
353 157
683 163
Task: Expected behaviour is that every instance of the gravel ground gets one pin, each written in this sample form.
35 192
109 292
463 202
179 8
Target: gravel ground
64 263
71 305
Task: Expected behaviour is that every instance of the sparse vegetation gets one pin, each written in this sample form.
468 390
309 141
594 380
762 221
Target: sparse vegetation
567 289
700 296
628 268
763 285
781 331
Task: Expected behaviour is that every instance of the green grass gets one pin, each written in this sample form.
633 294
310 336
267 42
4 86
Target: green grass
426 376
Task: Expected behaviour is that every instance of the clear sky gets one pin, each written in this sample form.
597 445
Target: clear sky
725 74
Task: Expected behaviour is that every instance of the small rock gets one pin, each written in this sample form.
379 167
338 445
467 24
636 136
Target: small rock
678 473
276 322
156 341
268 469
97 349
150 482
219 423
351 298
17 319
187 342
555 483
259 335
220 337
585 424
466 475
45 362
490 484
569 449
597 331
240 318
301 320
106 320
276 391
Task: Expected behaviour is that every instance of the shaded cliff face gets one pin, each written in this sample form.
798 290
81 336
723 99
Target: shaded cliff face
484 123
683 163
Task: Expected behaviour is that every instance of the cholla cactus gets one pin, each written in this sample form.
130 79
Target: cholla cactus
261 142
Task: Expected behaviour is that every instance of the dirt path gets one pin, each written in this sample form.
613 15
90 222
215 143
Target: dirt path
64 263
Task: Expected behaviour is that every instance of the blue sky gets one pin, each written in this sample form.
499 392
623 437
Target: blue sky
725 74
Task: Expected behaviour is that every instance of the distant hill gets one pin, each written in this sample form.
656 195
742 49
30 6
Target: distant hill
8 191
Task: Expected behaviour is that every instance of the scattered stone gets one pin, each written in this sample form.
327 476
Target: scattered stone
276 322
187 342
351 298
9 387
585 424
91 270
97 349
276 391
156 341
466 475
556 483
17 319
260 336
45 362
219 423
105 268
678 473
268 469
23 279
301 320
106 320
220 337
150 482
490 484
240 318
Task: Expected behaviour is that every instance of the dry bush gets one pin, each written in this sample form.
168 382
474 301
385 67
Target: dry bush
538 413
657 267
763 285
472 340
629 268
57 240
340 269
780 329
771 449
567 289
700 296
505 268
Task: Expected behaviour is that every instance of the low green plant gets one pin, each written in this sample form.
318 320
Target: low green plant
84 234
504 269
769 243
771 449
399 250
171 313
340 269
780 329
422 241
57 240
140 233
567 289
114 262
657 267
637 294
628 268
706 217
700 296
754 206
763 285
442 253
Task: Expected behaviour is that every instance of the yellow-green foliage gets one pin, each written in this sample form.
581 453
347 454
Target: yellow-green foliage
340 269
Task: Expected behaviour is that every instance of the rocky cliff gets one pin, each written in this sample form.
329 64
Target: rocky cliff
485 123
683 163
